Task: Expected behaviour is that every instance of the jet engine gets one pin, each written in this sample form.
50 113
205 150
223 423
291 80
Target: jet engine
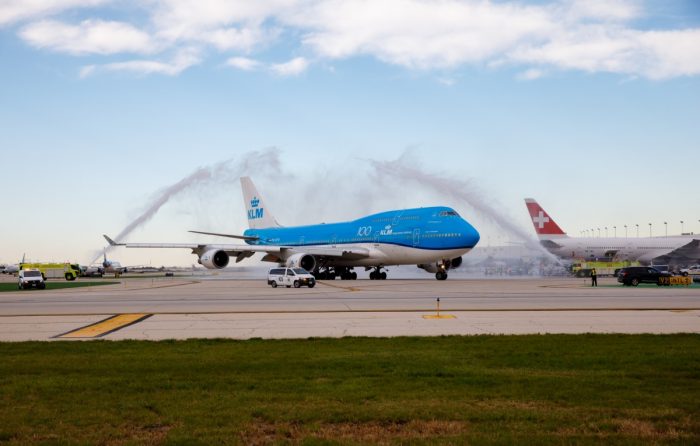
444 265
430 267
301 260
214 259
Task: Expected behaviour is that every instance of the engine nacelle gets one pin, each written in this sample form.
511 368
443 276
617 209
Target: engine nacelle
214 259
430 267
444 265
301 260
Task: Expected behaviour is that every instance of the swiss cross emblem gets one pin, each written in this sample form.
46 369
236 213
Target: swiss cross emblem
540 220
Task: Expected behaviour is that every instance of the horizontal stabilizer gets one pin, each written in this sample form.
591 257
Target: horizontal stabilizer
112 242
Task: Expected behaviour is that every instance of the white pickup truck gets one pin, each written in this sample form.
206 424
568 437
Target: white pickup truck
30 278
290 277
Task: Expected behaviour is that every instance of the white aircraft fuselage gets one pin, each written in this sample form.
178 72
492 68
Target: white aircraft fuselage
685 248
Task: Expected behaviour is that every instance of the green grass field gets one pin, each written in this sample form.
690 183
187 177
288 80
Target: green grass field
51 285
584 389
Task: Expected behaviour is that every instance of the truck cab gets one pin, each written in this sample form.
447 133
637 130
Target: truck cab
29 278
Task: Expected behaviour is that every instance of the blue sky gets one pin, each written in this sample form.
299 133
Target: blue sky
591 107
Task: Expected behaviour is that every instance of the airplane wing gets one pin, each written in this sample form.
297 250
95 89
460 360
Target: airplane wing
242 251
691 250
242 237
346 253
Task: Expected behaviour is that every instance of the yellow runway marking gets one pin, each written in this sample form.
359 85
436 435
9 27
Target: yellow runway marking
348 288
104 327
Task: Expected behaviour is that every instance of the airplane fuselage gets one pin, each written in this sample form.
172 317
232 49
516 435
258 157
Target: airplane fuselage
642 249
410 236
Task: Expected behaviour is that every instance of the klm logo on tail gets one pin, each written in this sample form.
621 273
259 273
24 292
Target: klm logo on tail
255 212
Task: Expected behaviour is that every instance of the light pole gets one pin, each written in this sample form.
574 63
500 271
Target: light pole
682 231
649 230
637 225
598 232
625 231
615 231
606 232
666 228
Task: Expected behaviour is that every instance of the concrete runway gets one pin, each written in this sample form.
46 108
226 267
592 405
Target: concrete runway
178 308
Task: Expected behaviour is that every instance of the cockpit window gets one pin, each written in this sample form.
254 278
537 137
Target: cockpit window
449 214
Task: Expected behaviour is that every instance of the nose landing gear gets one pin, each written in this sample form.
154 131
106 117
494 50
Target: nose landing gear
441 275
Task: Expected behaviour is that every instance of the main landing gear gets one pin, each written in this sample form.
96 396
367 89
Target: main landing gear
377 274
346 273
332 273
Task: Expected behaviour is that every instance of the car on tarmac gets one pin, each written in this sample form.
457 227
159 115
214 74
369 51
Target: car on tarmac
29 278
290 277
634 275
693 270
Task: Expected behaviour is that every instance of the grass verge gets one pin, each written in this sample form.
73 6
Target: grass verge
6 287
562 389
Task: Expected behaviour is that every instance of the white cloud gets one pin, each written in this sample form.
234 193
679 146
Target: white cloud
605 10
88 37
418 33
447 81
583 35
188 19
182 61
224 39
673 53
531 74
15 10
294 67
87 71
243 63
653 54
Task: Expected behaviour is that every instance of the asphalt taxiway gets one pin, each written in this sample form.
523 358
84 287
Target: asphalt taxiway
183 307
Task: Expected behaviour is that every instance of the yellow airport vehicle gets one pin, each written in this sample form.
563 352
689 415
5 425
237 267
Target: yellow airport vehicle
676 280
583 269
67 271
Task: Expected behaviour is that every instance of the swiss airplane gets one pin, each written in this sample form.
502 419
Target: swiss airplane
433 238
643 249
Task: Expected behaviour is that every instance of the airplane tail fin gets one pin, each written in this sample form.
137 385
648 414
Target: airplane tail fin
545 227
258 215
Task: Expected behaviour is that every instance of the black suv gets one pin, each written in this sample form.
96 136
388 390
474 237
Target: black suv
634 275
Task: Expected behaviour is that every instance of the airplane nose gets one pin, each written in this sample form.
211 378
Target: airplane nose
470 235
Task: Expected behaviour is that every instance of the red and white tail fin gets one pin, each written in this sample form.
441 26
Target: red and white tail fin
545 227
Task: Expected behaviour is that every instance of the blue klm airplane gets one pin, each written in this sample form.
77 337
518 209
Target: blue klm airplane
433 238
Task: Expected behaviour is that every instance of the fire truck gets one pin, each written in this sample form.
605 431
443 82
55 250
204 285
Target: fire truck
583 269
67 271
